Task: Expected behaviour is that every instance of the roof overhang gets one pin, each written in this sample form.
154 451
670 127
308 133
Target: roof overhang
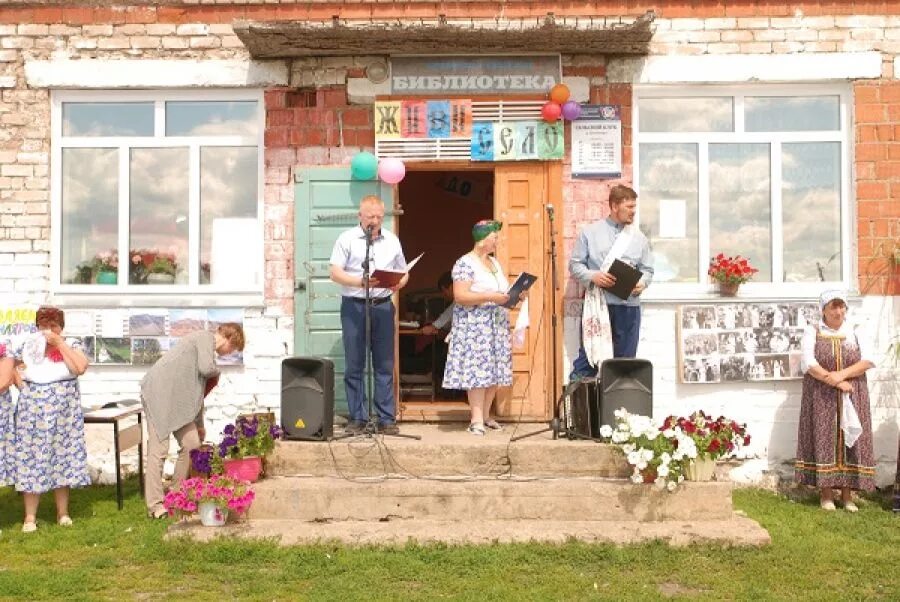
572 35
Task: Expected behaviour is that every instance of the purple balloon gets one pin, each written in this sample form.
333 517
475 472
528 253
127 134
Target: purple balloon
571 110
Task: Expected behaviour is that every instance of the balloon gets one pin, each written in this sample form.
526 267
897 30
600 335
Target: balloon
391 170
363 166
551 111
559 93
571 110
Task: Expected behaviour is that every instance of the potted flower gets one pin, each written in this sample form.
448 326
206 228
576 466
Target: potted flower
162 270
245 443
213 499
730 272
106 267
714 439
657 454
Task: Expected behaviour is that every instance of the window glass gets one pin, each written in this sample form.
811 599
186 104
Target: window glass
229 230
211 119
694 114
90 215
668 182
792 113
740 204
159 204
811 198
107 119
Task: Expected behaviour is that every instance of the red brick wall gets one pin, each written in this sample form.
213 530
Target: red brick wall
877 148
79 13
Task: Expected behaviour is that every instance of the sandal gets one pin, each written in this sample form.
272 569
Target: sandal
493 425
29 527
829 505
64 521
851 507
476 428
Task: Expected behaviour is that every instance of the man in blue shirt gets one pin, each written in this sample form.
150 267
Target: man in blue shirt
347 259
589 257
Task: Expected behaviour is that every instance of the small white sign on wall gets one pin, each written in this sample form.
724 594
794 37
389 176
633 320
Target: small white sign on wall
235 252
672 218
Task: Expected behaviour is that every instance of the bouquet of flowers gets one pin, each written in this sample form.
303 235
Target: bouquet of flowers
658 454
249 436
715 439
730 270
107 261
224 492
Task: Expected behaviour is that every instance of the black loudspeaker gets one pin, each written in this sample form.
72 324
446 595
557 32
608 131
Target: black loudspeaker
583 408
626 383
307 398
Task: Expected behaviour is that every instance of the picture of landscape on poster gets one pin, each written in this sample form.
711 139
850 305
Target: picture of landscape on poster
742 341
128 337
597 142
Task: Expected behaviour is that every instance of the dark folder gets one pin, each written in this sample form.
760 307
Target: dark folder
522 283
626 279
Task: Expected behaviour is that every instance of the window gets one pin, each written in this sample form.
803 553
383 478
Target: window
761 171
157 192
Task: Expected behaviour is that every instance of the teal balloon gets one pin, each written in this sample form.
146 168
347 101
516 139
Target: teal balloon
363 166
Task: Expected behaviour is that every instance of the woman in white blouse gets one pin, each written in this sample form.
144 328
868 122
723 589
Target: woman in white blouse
834 443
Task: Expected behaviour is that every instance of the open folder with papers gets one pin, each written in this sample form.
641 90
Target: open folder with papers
389 278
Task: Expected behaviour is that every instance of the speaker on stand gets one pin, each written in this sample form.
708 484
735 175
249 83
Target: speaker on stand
625 383
307 398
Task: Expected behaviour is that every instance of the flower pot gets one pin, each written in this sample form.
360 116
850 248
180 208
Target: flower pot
211 515
245 469
649 474
107 278
160 279
700 469
728 289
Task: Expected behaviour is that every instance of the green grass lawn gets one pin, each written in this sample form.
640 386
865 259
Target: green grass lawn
120 555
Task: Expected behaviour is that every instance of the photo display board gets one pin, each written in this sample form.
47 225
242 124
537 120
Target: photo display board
732 342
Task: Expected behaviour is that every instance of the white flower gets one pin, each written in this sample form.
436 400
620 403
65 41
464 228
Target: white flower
665 458
637 478
606 431
628 448
641 465
662 470
647 454
668 433
672 485
620 413
634 457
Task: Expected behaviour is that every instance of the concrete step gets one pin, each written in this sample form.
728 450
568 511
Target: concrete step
560 499
447 449
736 530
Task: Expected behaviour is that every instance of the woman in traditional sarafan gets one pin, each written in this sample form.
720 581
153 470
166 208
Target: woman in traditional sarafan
50 450
479 360
834 443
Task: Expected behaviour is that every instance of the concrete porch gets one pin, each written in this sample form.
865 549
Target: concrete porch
454 487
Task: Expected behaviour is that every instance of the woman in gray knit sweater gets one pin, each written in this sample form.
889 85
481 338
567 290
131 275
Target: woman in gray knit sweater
172 394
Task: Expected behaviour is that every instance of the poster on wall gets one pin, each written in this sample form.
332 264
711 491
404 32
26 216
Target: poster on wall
597 142
741 341
16 320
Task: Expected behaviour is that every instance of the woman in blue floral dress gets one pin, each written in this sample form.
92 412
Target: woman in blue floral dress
50 448
480 356
7 418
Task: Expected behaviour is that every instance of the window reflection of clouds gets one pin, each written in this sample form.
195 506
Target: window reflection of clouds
159 194
696 114
211 119
228 188
90 186
107 119
669 171
792 113
740 203
812 211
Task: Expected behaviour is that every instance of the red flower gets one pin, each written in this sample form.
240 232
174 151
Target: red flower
714 446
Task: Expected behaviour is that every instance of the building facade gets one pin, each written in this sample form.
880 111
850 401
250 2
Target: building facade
203 140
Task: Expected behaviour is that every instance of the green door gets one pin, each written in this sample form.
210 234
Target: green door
326 202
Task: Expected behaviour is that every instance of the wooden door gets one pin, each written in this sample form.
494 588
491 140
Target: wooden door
520 197
326 202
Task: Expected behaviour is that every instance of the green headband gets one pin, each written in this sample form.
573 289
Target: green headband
483 229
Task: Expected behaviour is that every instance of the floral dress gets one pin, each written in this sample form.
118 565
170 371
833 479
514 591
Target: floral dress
7 432
480 353
50 449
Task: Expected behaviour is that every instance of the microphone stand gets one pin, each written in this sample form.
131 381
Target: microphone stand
371 425
555 425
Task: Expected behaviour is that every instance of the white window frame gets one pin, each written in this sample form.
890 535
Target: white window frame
124 293
756 290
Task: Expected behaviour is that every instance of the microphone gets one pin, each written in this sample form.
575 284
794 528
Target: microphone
549 208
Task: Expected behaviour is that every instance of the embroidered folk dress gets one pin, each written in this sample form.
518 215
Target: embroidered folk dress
50 449
823 460
7 432
480 353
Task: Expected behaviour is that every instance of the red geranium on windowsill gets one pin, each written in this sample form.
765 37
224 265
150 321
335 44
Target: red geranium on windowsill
731 270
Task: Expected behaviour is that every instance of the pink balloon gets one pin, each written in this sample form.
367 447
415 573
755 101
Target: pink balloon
551 111
571 110
391 170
